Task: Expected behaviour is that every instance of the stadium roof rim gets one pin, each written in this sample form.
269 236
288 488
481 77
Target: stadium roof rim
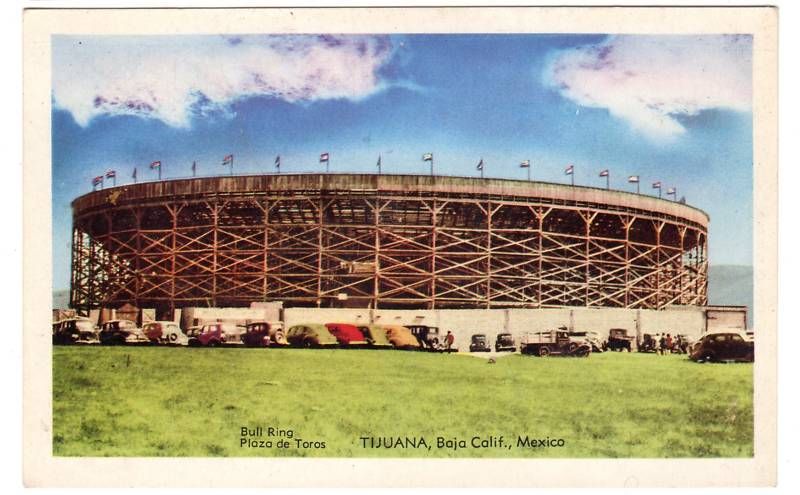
392 182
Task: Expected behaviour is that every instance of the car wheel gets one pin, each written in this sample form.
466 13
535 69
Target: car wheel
213 343
173 337
709 357
544 351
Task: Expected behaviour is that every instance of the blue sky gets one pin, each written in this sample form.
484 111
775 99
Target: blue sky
667 108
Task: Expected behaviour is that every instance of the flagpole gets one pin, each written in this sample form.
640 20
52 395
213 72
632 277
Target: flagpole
194 168
115 179
608 183
379 164
637 187
431 165
231 165
572 176
159 170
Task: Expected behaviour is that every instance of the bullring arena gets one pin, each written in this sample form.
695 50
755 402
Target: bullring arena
408 247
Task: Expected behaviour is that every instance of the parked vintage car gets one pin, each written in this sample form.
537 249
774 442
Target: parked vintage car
117 332
505 343
427 336
310 335
257 334
681 344
208 335
401 337
619 340
73 331
649 343
479 343
347 334
165 332
723 346
277 335
553 342
594 339
375 336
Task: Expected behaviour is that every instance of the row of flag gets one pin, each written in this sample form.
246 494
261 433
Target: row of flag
427 157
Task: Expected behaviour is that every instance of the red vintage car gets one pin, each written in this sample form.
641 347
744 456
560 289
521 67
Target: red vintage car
210 335
346 334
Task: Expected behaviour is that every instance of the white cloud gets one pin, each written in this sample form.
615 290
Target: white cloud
650 80
172 78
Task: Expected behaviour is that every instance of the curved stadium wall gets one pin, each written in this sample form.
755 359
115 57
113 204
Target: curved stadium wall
383 241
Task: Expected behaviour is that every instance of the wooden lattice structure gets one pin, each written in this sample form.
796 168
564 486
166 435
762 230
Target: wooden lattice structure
383 241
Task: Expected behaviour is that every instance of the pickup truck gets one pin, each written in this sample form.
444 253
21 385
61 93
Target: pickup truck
553 342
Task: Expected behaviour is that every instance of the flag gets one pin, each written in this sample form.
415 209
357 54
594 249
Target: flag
278 161
604 173
525 164
379 161
671 190
155 164
228 160
325 157
657 185
569 170
427 157
97 180
194 167
480 164
134 173
633 178
111 173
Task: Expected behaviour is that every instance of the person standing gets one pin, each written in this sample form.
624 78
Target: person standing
662 344
669 343
448 340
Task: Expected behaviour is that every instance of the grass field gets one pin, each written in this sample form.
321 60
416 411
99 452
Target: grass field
159 401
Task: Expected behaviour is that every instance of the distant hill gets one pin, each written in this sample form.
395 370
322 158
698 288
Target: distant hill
731 284
61 299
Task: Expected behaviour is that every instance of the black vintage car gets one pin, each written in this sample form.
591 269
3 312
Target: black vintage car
553 343
619 340
479 343
256 334
723 346
649 343
505 343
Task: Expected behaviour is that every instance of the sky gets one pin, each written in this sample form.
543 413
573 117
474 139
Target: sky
674 109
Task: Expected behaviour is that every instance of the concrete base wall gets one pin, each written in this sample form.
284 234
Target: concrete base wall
465 322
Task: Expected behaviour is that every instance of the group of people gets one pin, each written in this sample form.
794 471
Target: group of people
666 344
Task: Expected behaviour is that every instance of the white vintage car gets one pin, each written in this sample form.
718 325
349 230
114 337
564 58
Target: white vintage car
117 332
165 332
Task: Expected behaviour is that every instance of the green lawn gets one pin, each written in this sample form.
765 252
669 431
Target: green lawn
161 401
